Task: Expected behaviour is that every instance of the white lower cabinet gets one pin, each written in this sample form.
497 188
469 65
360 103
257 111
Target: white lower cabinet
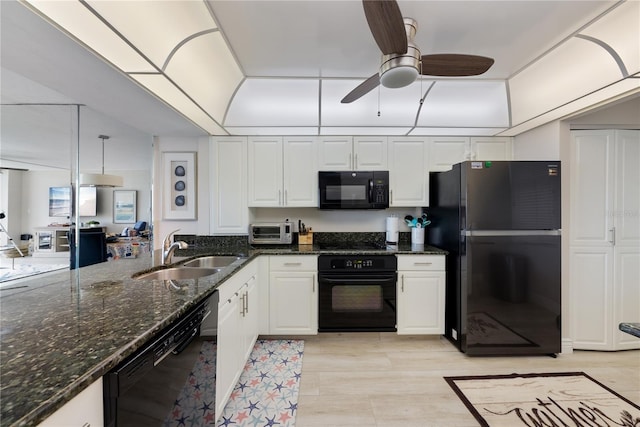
84 410
421 294
238 313
293 295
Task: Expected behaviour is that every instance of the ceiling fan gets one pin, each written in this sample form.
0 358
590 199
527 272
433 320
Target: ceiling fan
401 60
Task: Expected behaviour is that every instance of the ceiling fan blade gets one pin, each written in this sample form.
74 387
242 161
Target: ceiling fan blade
362 89
454 65
387 25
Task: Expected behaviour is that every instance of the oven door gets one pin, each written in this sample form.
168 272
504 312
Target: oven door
357 302
346 190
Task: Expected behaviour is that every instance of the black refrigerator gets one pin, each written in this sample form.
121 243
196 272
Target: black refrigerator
500 223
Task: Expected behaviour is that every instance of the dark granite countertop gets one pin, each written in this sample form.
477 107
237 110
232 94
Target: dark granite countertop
62 331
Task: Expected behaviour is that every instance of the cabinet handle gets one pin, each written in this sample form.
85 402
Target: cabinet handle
313 285
246 299
293 264
242 306
613 236
350 163
422 263
402 283
355 162
390 197
285 197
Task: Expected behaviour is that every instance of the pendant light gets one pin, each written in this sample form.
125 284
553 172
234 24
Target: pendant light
100 180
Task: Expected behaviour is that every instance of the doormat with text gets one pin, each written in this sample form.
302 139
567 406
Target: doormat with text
553 399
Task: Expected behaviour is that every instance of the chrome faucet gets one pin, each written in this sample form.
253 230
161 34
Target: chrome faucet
168 248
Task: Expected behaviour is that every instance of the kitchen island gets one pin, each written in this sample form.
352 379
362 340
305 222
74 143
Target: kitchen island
62 331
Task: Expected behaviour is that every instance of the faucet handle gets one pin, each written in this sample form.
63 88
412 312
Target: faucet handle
167 239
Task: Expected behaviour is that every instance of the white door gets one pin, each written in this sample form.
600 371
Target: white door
491 148
300 172
335 153
293 303
408 172
421 299
370 153
446 151
229 214
265 172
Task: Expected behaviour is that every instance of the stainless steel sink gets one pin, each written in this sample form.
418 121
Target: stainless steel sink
177 273
213 261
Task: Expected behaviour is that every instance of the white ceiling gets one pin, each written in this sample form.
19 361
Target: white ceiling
298 59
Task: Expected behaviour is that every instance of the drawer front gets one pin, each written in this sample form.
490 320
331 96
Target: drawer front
293 263
421 262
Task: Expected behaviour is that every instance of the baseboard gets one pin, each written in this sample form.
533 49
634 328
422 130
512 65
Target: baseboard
566 346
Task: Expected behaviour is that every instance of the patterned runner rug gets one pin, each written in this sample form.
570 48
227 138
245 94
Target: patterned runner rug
266 393
555 399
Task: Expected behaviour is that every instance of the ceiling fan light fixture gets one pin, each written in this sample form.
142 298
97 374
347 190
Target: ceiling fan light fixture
400 70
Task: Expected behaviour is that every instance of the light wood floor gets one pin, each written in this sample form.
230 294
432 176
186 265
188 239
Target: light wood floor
381 379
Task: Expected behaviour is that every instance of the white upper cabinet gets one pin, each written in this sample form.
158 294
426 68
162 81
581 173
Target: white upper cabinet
228 204
446 151
335 153
352 153
300 172
265 171
408 171
488 148
283 172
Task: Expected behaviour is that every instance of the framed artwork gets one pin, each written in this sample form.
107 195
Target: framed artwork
124 206
179 201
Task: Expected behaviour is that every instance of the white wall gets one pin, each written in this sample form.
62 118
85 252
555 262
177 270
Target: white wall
335 221
199 226
10 204
541 143
35 199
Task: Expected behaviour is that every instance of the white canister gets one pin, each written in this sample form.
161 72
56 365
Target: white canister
417 236
392 230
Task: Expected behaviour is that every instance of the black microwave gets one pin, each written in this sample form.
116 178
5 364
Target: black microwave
354 190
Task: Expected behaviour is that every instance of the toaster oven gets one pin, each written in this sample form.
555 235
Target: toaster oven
271 233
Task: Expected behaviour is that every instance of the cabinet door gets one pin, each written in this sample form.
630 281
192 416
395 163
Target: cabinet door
86 409
592 308
446 151
408 172
228 183
335 153
251 316
228 351
370 153
293 303
627 194
421 302
592 183
626 295
265 171
301 172
491 148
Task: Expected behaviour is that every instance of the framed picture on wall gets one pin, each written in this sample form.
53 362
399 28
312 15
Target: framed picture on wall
179 185
124 206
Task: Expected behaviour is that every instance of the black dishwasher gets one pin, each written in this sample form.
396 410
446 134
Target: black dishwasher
152 386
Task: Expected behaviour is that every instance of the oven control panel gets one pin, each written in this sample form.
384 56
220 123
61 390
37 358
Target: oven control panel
357 263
